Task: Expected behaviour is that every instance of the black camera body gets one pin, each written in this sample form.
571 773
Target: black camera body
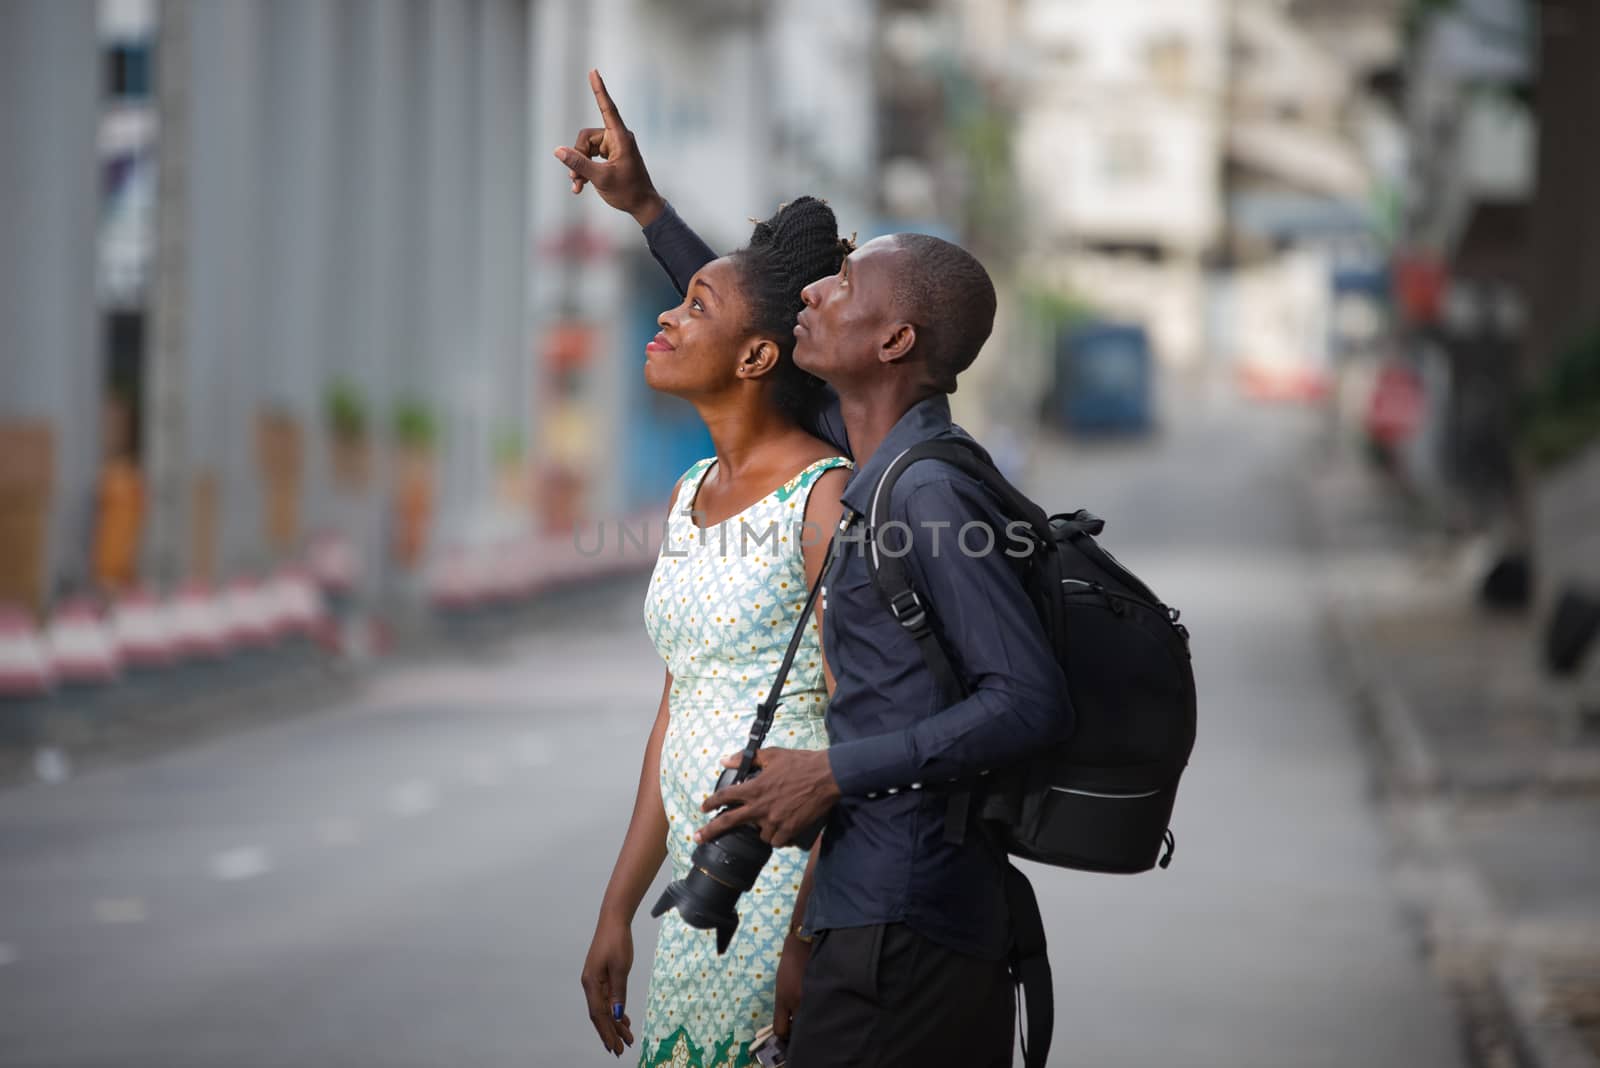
722 869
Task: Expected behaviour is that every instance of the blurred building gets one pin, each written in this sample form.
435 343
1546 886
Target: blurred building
737 106
1202 167
295 201
1501 248
1470 180
1120 144
50 373
297 273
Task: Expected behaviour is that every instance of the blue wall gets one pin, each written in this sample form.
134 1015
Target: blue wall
663 434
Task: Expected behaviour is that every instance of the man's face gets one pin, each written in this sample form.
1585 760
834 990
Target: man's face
847 315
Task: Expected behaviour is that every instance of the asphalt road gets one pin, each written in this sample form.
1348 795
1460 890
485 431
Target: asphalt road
411 878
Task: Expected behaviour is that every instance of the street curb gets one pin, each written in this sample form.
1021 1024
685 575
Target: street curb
1413 768
1543 1038
1543 1033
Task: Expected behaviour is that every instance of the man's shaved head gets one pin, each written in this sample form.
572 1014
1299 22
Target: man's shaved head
915 305
942 290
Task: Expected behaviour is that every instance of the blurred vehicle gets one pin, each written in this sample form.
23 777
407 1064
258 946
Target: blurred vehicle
1104 379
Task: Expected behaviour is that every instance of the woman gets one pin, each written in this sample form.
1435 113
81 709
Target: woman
746 536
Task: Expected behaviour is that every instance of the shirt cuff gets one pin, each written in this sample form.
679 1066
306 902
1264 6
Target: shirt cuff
664 221
867 765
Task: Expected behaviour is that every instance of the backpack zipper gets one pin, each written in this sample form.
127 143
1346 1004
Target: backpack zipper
1108 797
1118 604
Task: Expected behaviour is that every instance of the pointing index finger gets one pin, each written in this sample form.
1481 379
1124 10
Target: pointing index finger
608 107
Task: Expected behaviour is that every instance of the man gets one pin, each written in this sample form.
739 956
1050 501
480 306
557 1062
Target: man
909 966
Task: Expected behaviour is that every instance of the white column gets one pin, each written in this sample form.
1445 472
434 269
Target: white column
375 322
225 224
501 219
50 344
449 129
298 221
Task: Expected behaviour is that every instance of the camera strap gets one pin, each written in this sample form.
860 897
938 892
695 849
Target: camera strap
767 709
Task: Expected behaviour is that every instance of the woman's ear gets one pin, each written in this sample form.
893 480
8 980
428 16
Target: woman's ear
758 359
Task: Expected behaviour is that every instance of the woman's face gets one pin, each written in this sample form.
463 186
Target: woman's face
703 340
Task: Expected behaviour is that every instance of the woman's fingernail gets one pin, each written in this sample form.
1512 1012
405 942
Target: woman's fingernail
616 1011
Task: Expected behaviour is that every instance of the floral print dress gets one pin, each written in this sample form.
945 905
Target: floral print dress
722 605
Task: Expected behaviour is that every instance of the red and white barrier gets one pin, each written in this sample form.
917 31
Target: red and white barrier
82 648
296 605
510 572
249 614
525 569
25 669
199 625
333 563
460 579
141 631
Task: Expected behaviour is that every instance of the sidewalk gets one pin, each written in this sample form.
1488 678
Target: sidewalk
1491 775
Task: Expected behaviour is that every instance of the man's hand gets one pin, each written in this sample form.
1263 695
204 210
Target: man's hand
620 176
793 792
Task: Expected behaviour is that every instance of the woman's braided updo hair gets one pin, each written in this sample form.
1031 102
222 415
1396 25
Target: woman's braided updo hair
787 252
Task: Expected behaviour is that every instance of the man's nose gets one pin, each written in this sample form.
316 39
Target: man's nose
811 295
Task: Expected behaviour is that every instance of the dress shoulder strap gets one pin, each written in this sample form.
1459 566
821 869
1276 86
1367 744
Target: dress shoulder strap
689 483
801 484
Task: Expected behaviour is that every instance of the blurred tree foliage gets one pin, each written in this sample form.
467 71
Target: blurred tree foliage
1562 415
414 425
1055 311
980 127
345 411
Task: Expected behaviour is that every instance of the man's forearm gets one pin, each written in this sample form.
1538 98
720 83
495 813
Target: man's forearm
678 249
990 729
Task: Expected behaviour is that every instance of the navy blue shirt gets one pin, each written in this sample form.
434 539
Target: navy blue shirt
894 740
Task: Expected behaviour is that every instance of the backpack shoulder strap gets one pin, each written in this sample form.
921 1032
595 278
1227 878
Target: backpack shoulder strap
968 456
889 572
893 578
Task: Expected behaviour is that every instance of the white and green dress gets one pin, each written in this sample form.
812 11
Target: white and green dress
722 605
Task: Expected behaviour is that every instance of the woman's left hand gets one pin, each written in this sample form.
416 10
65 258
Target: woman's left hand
791 971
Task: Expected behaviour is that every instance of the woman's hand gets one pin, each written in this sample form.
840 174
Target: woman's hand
791 971
605 982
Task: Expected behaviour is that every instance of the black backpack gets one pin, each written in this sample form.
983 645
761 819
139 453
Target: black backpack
1101 800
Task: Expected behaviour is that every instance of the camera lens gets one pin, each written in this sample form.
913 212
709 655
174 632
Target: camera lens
720 870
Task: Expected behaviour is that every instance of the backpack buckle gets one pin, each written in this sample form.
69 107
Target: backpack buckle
906 607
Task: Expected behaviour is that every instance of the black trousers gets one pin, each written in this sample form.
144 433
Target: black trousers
885 997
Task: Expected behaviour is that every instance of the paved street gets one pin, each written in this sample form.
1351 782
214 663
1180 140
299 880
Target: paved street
411 878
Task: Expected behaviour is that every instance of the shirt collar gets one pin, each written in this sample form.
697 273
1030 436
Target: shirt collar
928 418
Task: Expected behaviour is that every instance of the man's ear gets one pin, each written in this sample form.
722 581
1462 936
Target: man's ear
902 338
758 359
